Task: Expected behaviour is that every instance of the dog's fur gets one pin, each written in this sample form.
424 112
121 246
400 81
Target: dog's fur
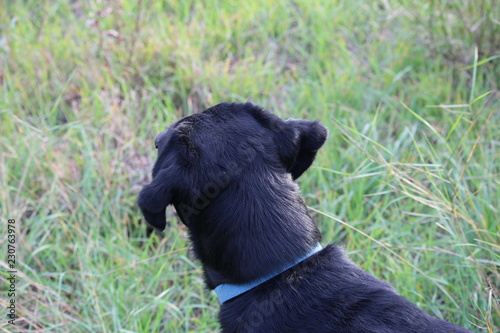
229 172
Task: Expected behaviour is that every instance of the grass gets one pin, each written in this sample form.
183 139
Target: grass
408 181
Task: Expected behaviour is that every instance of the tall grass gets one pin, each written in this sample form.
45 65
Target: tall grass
408 181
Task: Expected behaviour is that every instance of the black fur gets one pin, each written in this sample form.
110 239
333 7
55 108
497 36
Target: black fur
229 172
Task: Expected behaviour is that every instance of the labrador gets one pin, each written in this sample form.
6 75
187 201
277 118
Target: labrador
230 173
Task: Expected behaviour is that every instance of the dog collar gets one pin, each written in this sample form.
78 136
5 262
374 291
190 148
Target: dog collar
225 292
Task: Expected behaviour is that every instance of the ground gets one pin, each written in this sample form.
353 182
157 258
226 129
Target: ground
408 180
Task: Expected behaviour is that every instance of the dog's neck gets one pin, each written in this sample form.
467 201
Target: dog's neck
239 238
226 292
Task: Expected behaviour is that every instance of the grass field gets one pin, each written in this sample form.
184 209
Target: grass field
408 181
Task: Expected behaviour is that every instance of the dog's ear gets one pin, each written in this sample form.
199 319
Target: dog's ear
155 197
297 140
308 137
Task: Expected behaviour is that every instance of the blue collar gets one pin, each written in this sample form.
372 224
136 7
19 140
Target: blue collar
225 292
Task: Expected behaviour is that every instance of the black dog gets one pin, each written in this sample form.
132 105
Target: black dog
229 172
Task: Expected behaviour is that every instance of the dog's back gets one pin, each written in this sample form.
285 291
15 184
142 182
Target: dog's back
327 293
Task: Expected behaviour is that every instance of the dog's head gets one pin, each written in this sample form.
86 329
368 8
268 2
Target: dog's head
200 155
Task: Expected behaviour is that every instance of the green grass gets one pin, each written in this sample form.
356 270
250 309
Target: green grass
408 180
